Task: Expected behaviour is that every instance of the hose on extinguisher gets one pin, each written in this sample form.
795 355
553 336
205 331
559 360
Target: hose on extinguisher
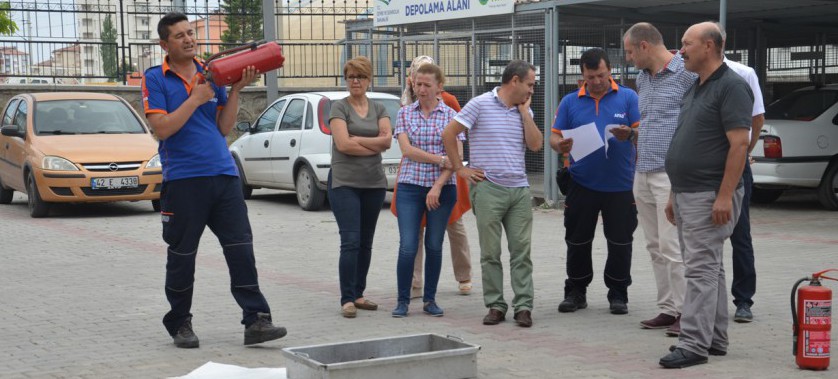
794 319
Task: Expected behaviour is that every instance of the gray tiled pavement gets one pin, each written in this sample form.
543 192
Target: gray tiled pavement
82 297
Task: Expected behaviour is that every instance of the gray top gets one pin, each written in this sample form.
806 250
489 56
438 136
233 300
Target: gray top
696 158
351 170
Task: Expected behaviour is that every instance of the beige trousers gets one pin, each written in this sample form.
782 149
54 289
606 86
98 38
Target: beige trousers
651 193
460 254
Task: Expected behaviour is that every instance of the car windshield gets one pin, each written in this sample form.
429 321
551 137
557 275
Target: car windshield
85 117
802 105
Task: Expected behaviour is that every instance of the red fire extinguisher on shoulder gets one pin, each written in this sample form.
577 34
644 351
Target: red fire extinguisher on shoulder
223 69
811 316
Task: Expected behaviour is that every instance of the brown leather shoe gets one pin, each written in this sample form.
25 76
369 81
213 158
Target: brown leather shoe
494 317
660 321
523 318
674 330
366 305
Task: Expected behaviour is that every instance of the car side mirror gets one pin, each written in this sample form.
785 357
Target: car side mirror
10 131
243 126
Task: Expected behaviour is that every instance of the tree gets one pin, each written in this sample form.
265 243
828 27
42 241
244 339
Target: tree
108 49
244 21
7 26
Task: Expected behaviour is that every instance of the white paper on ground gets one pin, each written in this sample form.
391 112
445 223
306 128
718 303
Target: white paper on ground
607 136
212 370
586 140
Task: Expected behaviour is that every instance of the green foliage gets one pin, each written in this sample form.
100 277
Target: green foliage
7 26
108 49
244 22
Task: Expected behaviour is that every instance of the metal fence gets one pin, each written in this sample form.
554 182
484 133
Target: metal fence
94 41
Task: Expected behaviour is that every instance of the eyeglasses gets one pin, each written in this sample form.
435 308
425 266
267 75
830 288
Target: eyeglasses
356 78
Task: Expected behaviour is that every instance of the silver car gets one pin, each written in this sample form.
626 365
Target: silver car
798 146
289 147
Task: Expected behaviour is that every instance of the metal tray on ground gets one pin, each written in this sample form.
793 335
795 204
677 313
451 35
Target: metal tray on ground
403 357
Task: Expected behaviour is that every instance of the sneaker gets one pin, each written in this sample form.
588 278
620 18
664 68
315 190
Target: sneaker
400 311
416 292
619 307
743 313
185 337
573 302
660 321
263 330
432 309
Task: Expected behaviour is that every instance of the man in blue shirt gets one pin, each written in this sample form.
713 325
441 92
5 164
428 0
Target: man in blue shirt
201 187
600 182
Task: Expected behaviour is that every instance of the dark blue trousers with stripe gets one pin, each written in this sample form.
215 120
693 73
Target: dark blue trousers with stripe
187 207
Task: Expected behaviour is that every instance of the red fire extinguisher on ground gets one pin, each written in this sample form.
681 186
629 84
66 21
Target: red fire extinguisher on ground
811 316
223 69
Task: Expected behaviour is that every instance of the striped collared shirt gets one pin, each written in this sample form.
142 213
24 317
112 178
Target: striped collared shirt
496 139
424 133
660 98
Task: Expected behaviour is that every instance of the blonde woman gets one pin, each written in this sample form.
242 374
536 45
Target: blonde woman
457 237
426 188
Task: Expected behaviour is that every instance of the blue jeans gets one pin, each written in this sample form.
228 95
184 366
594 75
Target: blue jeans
356 211
187 207
744 274
410 206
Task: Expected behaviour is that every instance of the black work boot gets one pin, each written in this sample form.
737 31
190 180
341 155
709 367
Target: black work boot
573 301
185 337
262 330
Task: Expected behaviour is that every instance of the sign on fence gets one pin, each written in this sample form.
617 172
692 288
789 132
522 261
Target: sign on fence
398 12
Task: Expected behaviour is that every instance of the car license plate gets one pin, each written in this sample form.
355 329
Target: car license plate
115 183
391 169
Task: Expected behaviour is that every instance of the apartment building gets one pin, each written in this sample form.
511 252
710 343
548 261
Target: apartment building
138 32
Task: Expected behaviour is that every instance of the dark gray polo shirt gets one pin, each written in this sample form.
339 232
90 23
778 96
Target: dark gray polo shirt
695 161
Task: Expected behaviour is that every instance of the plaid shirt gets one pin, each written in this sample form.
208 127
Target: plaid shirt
660 103
424 134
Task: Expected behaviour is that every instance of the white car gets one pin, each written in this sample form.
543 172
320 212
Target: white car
798 146
289 147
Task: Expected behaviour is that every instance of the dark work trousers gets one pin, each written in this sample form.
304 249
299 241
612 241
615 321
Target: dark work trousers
744 273
356 211
619 219
187 207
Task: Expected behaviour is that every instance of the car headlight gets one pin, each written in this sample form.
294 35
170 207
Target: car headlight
58 164
154 162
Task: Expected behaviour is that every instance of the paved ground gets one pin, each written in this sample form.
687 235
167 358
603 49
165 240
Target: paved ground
82 297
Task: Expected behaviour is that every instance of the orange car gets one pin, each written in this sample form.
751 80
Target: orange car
76 147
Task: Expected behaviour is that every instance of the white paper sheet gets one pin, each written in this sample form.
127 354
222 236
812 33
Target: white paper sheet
586 140
607 136
212 370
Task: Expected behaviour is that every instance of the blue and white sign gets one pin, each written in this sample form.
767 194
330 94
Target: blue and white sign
398 12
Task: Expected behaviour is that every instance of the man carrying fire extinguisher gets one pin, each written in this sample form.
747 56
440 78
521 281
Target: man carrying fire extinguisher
201 187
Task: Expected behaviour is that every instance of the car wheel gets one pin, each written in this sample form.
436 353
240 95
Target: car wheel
765 196
155 204
247 191
37 207
308 195
6 195
828 190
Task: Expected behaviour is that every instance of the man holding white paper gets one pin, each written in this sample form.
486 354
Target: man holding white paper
602 172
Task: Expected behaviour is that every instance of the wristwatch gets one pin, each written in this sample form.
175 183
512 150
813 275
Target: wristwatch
632 135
